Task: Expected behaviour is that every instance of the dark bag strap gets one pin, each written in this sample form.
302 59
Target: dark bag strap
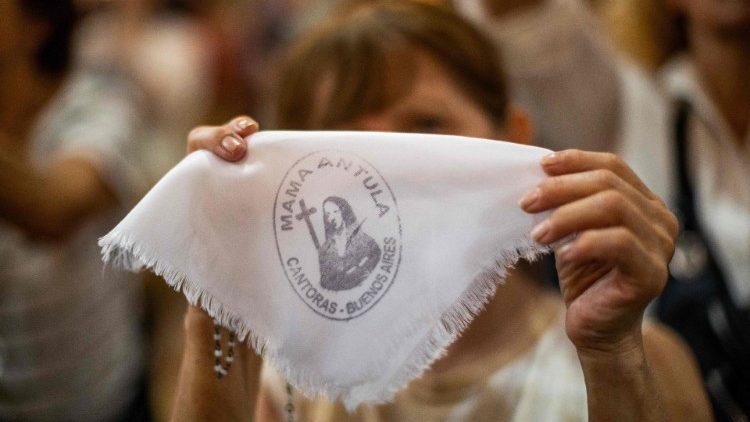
686 208
728 382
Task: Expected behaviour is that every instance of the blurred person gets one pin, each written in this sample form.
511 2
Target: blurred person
177 53
704 154
684 130
170 50
407 67
71 346
258 31
560 67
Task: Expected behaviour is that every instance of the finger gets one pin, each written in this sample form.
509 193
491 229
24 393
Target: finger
616 248
576 161
610 208
578 277
243 126
220 140
604 209
556 191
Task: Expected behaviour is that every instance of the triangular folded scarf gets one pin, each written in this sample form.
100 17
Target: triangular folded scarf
350 260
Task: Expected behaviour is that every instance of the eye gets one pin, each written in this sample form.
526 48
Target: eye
428 124
426 121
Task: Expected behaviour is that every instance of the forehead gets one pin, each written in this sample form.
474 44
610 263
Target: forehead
421 78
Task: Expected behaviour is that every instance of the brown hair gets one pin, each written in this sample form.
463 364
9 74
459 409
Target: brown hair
362 60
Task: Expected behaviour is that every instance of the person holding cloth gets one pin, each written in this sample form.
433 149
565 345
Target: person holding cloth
414 67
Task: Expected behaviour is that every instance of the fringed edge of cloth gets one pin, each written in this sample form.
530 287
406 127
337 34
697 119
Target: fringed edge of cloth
125 252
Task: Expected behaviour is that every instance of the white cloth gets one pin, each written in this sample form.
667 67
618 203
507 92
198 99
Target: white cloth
70 341
428 225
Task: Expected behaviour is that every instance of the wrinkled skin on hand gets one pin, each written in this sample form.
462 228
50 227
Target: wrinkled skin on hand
623 238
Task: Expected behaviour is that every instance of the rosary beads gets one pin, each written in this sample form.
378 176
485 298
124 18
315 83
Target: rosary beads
221 369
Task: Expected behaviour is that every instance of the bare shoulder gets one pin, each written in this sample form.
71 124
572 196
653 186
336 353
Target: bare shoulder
676 374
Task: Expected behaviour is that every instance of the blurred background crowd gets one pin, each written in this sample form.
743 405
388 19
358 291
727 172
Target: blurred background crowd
97 96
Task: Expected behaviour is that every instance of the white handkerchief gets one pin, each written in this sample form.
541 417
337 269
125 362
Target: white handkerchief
351 260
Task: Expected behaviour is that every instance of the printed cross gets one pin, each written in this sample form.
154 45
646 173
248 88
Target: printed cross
305 214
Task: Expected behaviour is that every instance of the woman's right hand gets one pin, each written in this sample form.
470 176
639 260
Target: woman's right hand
200 395
225 141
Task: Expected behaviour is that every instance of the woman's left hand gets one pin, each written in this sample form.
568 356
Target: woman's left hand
226 141
624 237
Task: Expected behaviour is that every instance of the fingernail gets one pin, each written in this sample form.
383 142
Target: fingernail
539 232
550 159
244 124
529 198
230 143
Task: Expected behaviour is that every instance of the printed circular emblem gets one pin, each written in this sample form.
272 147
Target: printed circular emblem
338 233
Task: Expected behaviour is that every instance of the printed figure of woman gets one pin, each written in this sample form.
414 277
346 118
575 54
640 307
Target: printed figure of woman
348 254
